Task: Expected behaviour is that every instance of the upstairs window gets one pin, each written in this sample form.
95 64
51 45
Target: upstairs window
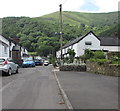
88 43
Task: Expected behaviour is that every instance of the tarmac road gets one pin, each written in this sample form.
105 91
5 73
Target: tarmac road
89 91
31 88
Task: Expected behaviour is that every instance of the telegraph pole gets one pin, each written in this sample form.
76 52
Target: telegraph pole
61 32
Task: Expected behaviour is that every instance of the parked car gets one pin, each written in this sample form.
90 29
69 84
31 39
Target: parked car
28 63
46 63
38 62
8 66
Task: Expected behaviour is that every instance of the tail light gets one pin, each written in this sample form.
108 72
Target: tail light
6 62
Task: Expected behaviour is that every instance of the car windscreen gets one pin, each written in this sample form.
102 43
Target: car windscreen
2 60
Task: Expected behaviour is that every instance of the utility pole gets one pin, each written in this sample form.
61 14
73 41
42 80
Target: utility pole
61 32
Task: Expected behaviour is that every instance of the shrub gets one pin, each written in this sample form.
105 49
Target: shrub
71 55
100 61
115 58
115 62
88 54
99 55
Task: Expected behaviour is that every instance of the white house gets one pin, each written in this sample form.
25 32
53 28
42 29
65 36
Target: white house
7 46
24 53
11 47
4 47
92 42
110 44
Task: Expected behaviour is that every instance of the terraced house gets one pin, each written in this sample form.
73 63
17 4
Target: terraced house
4 47
11 48
92 42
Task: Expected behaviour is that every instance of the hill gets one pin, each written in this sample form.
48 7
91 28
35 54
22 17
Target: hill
38 34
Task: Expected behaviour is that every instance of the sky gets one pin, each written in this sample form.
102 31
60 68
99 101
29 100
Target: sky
36 8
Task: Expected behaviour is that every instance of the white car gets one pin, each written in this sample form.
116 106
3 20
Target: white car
46 63
7 66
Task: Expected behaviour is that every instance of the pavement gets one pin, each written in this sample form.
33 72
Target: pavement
89 91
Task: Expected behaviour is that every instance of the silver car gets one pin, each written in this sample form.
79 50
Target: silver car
7 66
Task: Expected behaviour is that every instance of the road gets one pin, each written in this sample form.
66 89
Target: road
31 88
89 91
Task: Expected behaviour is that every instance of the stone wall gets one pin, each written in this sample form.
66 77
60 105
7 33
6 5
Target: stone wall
72 68
105 69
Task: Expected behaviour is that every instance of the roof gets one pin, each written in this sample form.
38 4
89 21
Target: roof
104 41
78 39
109 41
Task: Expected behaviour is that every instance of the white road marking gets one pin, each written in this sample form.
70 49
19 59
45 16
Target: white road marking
6 86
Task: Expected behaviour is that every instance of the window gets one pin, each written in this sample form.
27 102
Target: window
5 49
88 43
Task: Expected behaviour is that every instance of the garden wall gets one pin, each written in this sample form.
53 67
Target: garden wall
105 69
72 68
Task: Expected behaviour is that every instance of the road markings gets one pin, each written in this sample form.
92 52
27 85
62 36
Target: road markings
67 102
6 86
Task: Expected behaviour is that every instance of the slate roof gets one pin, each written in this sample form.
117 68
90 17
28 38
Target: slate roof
104 41
109 41
78 39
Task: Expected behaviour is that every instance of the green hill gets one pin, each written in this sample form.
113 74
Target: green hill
76 18
38 34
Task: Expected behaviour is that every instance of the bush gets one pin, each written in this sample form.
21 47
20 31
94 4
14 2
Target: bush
115 62
71 53
99 55
88 54
100 61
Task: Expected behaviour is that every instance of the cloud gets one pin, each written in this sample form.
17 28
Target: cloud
35 8
107 5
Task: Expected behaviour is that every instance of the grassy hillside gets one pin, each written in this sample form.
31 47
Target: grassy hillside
97 22
38 34
76 18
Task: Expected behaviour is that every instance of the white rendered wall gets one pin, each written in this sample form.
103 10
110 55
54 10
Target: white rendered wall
111 48
4 43
89 38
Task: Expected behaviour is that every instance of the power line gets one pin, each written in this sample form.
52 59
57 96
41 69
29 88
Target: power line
64 1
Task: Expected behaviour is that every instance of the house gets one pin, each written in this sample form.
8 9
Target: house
92 42
11 48
15 48
110 44
4 47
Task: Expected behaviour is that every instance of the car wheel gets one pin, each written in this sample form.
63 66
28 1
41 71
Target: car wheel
9 72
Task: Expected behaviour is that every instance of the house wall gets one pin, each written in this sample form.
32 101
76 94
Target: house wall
23 52
4 47
111 48
95 44
58 54
0 48
11 47
75 49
